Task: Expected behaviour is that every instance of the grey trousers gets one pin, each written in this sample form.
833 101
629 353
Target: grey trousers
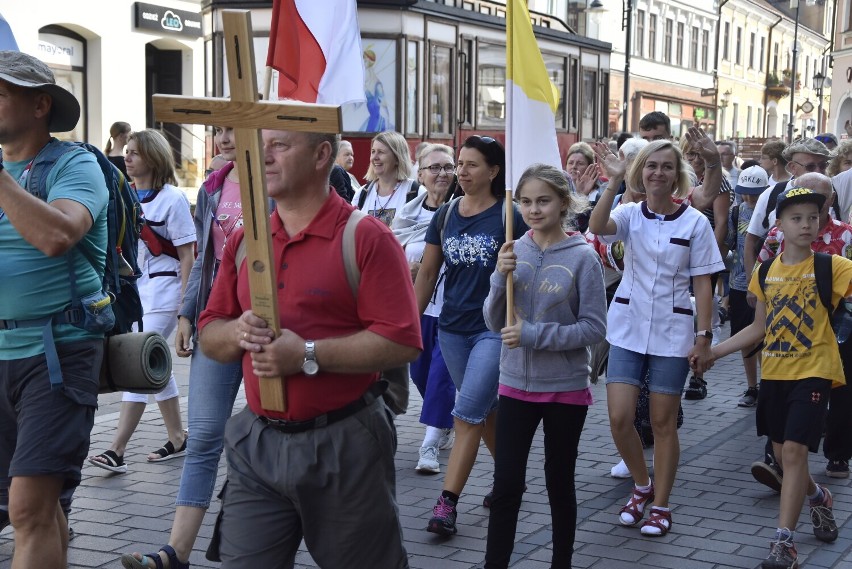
335 486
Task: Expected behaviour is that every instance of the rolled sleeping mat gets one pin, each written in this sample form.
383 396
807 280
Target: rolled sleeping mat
138 362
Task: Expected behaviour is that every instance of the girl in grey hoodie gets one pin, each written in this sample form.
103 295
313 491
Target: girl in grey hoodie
559 311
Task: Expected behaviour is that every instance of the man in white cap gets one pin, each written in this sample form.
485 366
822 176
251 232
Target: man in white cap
48 394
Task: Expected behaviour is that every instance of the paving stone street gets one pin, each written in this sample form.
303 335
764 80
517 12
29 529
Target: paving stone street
721 516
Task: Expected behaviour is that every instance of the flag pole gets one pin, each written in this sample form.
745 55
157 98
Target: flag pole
510 210
267 83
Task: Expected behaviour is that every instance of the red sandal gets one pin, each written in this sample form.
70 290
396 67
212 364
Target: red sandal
658 524
635 507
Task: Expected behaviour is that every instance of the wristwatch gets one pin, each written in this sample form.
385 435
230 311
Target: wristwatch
706 333
310 366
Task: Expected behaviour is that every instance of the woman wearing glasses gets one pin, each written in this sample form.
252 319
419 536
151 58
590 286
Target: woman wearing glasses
466 235
429 372
388 187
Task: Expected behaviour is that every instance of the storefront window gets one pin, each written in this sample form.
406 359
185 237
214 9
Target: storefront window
379 113
556 71
440 89
491 87
65 53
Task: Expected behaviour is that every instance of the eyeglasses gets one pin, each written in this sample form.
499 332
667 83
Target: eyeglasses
691 155
812 167
438 168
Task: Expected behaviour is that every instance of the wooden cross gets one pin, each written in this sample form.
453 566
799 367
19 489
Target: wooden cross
247 115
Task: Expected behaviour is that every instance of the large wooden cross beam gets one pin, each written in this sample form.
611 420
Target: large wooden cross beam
247 115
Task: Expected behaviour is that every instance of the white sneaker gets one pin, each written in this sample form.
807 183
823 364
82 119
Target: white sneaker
448 437
428 463
620 471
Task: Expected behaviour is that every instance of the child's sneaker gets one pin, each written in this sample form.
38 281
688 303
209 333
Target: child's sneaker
782 555
825 527
837 469
448 437
443 520
749 398
696 390
631 514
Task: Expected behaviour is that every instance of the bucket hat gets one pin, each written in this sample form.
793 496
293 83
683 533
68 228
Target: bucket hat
26 71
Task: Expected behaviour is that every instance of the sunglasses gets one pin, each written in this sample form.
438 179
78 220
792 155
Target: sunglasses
485 139
813 167
438 168
826 139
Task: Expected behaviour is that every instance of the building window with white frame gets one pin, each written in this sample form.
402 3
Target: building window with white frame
748 120
762 53
739 52
726 41
667 41
693 48
652 37
705 49
680 30
639 45
751 50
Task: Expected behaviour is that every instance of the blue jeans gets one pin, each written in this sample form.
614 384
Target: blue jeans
666 375
432 378
213 389
474 364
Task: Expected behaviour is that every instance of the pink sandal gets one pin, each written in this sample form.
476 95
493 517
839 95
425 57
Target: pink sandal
658 523
635 507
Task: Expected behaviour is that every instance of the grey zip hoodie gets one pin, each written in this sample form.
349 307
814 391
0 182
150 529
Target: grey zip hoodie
560 296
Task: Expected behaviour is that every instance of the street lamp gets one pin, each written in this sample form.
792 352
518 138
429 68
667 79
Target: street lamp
793 4
819 83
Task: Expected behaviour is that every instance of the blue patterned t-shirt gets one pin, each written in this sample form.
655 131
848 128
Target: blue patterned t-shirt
737 228
470 251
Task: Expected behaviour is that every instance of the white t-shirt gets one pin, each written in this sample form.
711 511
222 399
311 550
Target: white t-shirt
843 186
384 208
414 254
169 216
755 226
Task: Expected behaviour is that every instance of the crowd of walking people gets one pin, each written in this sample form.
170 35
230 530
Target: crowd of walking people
632 255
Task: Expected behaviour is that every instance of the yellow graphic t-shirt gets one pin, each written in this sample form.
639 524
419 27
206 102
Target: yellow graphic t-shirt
799 340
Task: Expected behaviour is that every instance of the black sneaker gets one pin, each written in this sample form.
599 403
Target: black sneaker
822 517
443 520
782 555
697 389
837 469
749 398
767 474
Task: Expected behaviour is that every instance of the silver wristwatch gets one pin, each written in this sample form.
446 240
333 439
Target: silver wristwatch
310 366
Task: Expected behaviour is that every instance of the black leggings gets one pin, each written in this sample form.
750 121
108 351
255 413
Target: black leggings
517 422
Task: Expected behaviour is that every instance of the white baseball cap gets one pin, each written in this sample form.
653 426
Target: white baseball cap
752 181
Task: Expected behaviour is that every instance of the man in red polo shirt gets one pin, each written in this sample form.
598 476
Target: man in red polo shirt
324 469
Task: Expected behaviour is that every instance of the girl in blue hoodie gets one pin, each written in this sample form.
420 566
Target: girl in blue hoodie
559 311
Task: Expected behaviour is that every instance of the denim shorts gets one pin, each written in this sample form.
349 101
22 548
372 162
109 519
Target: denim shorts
666 375
474 364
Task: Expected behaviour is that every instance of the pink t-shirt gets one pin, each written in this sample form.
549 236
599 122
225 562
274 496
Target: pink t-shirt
228 216
581 397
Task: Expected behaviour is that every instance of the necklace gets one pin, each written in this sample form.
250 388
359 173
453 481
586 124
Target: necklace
379 209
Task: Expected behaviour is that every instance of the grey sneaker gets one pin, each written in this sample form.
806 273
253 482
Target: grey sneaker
825 527
428 463
448 437
782 555
749 398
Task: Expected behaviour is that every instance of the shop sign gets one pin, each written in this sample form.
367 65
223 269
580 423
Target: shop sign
55 49
170 21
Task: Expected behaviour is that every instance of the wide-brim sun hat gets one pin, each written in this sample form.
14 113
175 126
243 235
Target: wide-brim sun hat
26 71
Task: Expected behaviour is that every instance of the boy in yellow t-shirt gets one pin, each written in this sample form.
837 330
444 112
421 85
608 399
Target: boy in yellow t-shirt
801 363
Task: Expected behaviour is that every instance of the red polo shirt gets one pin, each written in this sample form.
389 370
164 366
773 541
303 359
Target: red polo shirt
315 301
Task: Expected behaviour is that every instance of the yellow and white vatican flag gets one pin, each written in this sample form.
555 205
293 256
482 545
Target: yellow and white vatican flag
531 103
531 98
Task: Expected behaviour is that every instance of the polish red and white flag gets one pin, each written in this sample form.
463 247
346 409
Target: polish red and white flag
316 49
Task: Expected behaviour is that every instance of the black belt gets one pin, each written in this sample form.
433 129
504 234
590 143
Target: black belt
369 396
162 274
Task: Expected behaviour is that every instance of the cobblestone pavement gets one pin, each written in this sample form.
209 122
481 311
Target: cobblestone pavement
722 518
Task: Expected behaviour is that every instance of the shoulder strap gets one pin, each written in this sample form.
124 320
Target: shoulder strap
413 192
43 163
762 271
824 279
443 216
772 201
350 259
362 197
